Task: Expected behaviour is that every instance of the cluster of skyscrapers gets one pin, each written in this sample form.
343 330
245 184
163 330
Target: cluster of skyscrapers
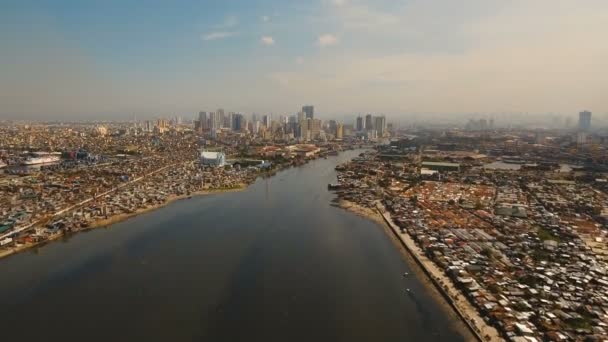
303 125
371 126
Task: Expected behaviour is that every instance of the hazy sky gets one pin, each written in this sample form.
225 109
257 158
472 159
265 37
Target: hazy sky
115 58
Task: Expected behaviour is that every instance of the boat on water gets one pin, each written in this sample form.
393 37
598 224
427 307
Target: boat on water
333 186
41 160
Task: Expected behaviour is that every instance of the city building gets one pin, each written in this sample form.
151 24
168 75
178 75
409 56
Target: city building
266 120
380 125
369 122
212 159
339 131
309 111
238 122
584 120
360 124
441 166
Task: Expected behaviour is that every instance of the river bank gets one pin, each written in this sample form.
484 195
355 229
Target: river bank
104 222
437 283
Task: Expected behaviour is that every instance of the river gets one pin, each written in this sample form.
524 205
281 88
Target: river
275 262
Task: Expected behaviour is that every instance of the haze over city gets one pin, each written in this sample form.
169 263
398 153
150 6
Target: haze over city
324 170
414 59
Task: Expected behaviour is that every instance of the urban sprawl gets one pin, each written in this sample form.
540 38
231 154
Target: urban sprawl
509 224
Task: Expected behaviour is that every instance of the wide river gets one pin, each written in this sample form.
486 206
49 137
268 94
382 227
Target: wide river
275 262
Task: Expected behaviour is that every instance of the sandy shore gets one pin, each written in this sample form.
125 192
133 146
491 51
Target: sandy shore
471 324
104 222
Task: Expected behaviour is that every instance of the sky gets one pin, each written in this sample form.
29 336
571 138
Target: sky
84 59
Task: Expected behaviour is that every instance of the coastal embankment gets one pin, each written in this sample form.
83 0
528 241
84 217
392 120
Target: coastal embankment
110 220
474 323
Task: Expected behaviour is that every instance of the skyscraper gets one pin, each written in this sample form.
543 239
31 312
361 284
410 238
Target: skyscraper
380 125
369 122
266 120
584 120
203 121
215 121
238 122
309 111
360 124
339 131
220 118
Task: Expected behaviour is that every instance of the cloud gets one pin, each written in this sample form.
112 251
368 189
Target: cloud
267 40
327 40
361 16
265 18
217 35
229 22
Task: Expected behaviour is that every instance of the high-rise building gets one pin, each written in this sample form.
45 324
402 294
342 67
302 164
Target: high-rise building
238 122
309 111
267 120
333 127
369 122
584 120
220 118
380 125
229 121
203 120
339 131
360 124
315 127
215 121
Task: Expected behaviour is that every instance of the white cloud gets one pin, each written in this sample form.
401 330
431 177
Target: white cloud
327 40
265 18
361 16
217 35
339 2
267 40
229 22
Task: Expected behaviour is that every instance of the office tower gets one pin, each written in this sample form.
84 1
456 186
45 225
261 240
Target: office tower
220 118
315 127
203 120
238 122
215 121
339 131
369 122
309 111
301 116
380 125
360 124
584 121
304 132
229 121
333 127
266 120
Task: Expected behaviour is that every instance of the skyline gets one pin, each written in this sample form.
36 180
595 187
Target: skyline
86 61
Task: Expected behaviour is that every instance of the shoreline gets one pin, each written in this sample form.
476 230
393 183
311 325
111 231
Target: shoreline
105 222
450 298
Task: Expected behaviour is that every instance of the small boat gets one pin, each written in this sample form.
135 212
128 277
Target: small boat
407 290
333 186
405 274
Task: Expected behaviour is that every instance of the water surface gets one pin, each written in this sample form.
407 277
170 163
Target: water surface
275 262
